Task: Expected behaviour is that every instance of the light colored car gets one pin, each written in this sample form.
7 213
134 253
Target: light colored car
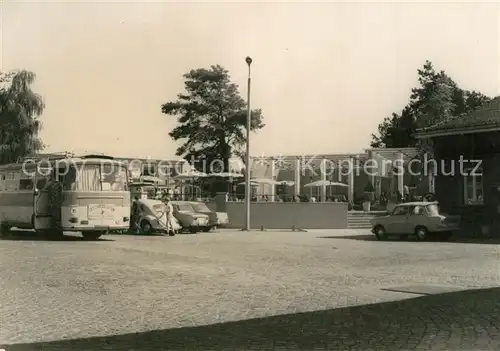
188 218
215 219
422 219
152 217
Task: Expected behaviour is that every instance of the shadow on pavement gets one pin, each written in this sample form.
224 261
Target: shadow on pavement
478 240
458 240
133 233
465 320
367 237
32 236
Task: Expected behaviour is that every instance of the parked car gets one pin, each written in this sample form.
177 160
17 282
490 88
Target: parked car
188 218
215 219
152 217
422 219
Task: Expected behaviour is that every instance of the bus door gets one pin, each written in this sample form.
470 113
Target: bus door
41 206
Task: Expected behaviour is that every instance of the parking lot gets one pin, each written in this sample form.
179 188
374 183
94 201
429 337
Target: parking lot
248 291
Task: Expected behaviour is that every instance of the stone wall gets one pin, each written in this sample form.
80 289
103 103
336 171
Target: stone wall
285 215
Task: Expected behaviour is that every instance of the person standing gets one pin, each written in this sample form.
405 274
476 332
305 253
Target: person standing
166 197
134 216
406 193
170 216
55 193
55 189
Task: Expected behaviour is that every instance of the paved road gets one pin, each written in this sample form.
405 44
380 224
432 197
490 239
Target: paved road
247 291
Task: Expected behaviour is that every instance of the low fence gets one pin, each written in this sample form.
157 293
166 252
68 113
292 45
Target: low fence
284 215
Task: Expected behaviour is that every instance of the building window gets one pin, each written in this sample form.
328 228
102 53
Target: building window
164 171
149 169
473 187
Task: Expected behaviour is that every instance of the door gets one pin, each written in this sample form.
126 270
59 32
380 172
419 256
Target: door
41 206
416 216
398 220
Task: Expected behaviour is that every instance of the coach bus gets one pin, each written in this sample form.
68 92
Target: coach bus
66 194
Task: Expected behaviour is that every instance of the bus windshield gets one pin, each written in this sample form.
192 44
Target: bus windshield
95 177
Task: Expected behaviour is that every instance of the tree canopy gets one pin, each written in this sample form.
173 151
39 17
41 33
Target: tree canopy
437 98
211 117
20 108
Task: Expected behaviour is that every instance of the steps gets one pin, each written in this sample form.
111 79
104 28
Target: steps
361 219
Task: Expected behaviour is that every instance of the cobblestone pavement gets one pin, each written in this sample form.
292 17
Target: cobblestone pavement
246 291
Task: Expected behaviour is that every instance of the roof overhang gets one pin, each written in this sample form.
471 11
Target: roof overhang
395 149
439 133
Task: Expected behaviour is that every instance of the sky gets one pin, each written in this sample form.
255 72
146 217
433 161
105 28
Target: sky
324 74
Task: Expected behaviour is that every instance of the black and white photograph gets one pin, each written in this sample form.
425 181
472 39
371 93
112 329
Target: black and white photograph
249 175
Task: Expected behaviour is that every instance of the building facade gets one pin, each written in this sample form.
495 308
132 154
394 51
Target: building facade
467 152
374 166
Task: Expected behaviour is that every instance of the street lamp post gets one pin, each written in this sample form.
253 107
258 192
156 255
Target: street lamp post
247 161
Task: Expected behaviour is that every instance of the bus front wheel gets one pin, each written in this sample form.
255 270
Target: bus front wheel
92 235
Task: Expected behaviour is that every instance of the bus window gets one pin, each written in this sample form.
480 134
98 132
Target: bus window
41 183
42 179
94 177
11 181
69 179
88 178
26 183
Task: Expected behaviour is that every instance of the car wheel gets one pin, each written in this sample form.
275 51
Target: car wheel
380 233
193 230
146 227
207 229
421 233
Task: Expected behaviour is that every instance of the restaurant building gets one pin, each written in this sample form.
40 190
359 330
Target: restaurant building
467 154
374 166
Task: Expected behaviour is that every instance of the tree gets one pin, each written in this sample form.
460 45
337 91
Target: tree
20 109
433 101
396 131
474 100
211 118
437 98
